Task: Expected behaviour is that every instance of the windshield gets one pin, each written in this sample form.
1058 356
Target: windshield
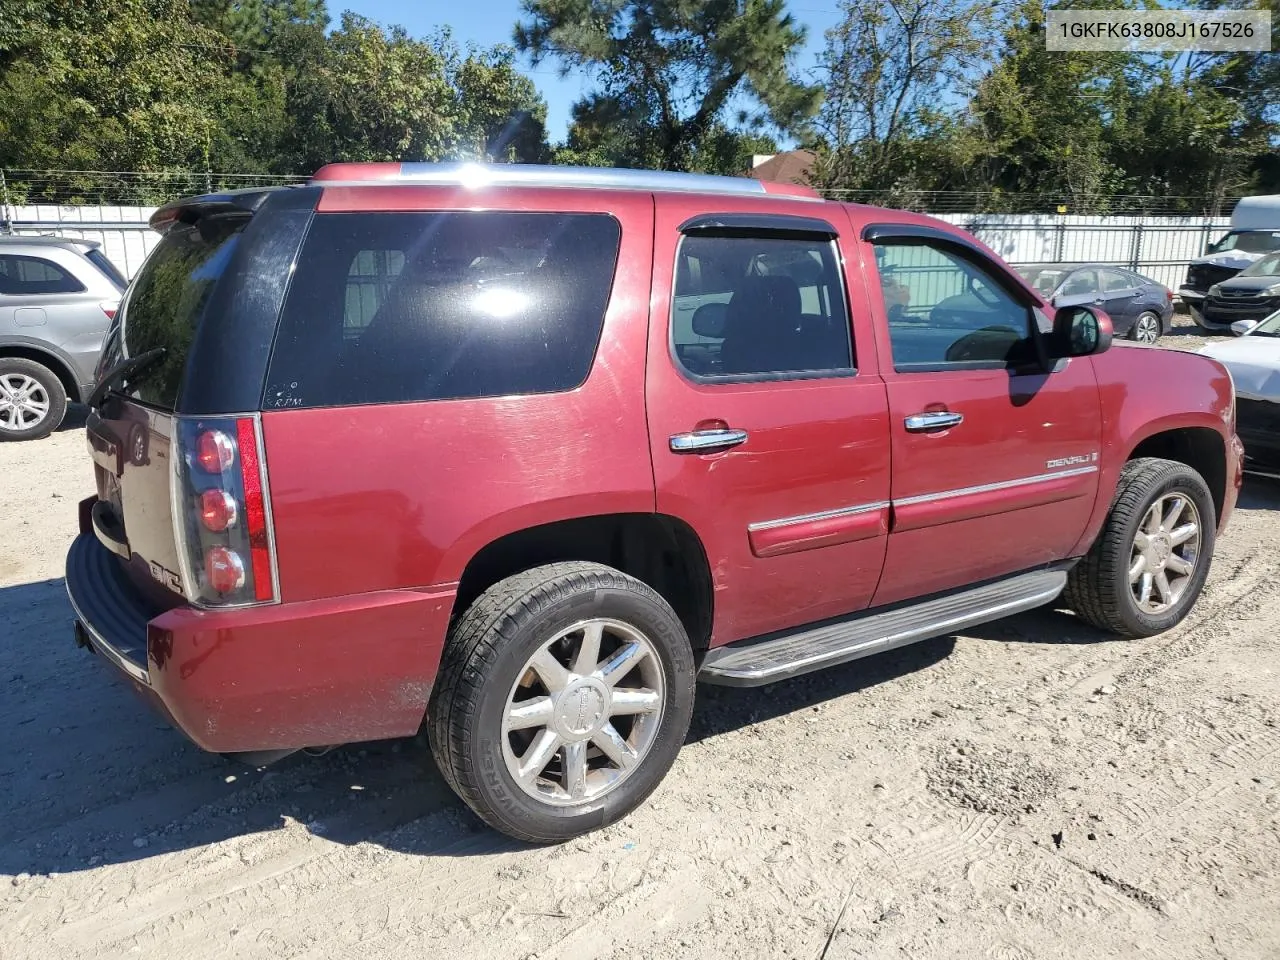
1269 327
1249 241
1268 266
1044 278
165 304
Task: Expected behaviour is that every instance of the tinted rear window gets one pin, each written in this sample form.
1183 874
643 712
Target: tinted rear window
394 307
166 302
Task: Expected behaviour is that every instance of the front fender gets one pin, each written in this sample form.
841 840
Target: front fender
1147 392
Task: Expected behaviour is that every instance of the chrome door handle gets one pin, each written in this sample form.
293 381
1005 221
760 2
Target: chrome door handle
920 422
706 441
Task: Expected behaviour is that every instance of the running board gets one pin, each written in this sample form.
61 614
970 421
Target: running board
752 663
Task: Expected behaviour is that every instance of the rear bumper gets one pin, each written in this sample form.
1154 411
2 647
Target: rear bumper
269 678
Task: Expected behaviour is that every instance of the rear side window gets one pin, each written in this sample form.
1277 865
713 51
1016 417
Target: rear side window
1113 280
398 307
167 301
99 260
35 276
747 308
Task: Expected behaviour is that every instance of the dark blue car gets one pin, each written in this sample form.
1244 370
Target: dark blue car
1140 308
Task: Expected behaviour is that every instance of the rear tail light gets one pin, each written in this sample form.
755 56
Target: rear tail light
222 512
1168 295
215 451
109 307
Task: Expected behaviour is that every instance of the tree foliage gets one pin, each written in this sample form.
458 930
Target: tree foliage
669 72
247 86
929 95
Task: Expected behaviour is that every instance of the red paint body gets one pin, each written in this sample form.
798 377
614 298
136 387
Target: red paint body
828 508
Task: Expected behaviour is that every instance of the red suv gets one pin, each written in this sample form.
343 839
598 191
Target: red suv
521 453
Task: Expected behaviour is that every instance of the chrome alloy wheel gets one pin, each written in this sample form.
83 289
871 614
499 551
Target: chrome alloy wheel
584 712
1147 328
1166 550
24 402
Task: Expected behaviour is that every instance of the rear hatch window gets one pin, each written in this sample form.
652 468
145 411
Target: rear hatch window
99 260
166 302
395 307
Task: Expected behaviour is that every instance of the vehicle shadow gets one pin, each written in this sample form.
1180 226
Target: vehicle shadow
1258 493
76 416
90 775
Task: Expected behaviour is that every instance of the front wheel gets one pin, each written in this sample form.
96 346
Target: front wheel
1146 329
563 698
1147 567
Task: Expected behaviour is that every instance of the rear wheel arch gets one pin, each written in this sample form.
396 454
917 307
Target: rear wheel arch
59 367
659 550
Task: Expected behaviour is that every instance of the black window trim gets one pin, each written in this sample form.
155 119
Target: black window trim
764 225
80 286
787 376
920 235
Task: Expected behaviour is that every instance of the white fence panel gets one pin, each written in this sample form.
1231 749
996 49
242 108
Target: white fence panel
123 232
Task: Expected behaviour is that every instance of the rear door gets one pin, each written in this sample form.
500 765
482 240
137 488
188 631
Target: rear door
994 460
767 421
1122 298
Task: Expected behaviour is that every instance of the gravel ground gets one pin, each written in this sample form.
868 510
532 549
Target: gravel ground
1027 789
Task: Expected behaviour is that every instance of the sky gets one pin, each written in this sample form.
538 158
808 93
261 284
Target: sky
489 22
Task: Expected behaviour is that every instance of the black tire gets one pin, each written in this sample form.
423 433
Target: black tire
1098 586
487 651
1146 314
53 389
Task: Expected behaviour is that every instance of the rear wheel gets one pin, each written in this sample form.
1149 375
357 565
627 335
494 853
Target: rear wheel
563 698
32 400
1146 329
1147 567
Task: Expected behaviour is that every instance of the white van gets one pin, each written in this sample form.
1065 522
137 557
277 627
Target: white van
1255 231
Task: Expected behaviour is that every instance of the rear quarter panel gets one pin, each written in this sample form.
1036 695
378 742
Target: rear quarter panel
1150 390
395 496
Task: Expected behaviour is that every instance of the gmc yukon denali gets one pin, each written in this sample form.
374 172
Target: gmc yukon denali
520 454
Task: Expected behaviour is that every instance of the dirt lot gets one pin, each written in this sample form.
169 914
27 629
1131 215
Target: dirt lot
1029 789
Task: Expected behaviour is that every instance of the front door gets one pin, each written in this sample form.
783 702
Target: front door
767 438
995 462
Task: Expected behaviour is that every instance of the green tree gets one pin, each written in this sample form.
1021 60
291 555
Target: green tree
888 66
670 70
365 93
124 85
500 114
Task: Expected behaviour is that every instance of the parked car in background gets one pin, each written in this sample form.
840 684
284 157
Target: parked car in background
1140 308
57 299
517 454
1255 232
1252 294
1253 360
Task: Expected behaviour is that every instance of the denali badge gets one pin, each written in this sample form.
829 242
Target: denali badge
167 577
1071 461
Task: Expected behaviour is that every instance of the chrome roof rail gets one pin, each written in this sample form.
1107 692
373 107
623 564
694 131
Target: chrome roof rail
475 175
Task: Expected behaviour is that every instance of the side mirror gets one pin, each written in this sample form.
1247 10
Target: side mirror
1242 327
709 320
1080 332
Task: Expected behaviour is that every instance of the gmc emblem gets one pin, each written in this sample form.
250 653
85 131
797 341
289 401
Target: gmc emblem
166 577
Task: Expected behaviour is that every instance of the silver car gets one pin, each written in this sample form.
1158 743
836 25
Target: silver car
57 298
